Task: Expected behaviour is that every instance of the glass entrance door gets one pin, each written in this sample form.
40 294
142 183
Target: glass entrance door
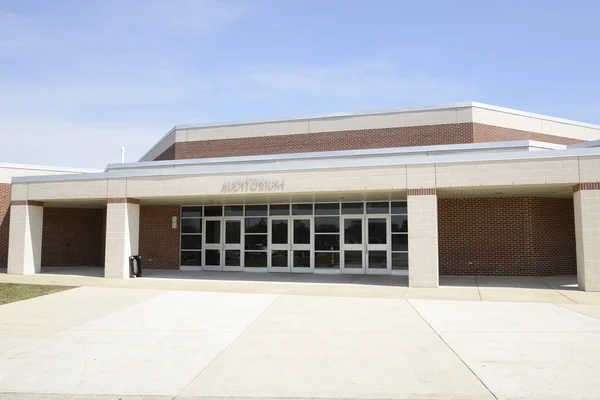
353 245
213 244
377 259
279 245
232 245
301 248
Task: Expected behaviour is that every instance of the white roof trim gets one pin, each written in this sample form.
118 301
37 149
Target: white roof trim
48 168
593 143
300 165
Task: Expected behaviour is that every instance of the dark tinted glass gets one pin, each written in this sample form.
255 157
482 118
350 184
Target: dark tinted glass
302 209
191 258
353 208
191 225
234 211
327 260
327 209
213 211
378 208
327 224
327 242
213 257
377 231
256 225
301 231
258 211
279 209
377 259
191 242
279 258
255 259
213 232
279 231
400 261
232 258
255 242
233 231
353 231
399 242
301 258
353 259
399 207
399 223
191 211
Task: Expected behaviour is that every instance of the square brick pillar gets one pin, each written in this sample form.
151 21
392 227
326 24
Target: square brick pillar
122 236
586 199
423 268
25 237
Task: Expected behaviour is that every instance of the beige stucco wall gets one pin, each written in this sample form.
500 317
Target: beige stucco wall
423 269
25 250
122 238
587 232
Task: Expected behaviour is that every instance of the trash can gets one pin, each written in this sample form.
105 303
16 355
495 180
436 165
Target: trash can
135 266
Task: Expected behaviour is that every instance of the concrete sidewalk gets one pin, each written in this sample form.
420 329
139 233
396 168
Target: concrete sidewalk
551 289
123 343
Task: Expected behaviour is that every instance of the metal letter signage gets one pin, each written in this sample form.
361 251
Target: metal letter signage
252 185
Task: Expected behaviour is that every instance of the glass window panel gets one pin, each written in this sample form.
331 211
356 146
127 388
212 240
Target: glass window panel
234 211
279 258
327 224
191 225
232 258
255 259
400 242
377 230
327 209
353 259
256 225
302 209
213 232
301 258
279 209
256 211
191 258
191 211
213 257
379 207
302 231
213 211
399 207
255 242
233 231
353 208
190 242
353 230
377 259
399 223
400 261
327 242
279 231
330 260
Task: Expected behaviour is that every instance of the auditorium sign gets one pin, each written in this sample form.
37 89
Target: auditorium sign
252 185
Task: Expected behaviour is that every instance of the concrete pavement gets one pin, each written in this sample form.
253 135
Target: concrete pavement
133 343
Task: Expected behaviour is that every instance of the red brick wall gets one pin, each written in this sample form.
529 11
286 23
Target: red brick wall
488 133
506 236
355 139
73 237
4 222
159 242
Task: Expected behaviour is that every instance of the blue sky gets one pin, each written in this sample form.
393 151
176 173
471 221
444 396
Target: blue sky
78 79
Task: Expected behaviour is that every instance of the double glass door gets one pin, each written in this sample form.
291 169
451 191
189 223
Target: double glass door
290 241
222 244
366 245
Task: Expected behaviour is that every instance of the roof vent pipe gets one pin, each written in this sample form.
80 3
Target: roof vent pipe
122 154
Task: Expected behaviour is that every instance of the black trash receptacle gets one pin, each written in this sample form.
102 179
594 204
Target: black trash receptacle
135 266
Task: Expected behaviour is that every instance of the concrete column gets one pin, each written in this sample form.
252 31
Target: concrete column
587 235
423 270
25 237
122 236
